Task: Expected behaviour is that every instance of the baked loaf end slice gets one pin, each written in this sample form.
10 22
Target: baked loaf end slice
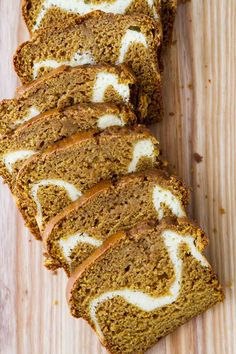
100 38
67 86
51 180
144 283
49 127
72 235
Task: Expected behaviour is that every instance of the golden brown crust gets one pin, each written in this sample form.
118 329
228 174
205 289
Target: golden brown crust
25 13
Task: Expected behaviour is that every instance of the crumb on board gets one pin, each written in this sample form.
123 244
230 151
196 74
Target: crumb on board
229 285
209 80
54 272
215 230
197 157
55 302
198 185
171 114
222 211
206 196
190 85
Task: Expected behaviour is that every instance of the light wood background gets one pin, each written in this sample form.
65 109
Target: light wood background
199 93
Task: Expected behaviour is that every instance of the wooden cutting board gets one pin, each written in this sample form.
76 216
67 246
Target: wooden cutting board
200 104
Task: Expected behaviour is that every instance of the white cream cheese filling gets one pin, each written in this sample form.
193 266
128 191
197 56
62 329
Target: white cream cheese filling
147 302
67 244
105 80
33 112
77 59
143 148
71 190
12 157
129 38
164 196
83 7
109 120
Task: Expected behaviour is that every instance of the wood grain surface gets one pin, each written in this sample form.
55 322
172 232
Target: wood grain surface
200 113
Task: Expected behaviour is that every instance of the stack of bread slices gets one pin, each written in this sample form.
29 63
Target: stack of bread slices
86 172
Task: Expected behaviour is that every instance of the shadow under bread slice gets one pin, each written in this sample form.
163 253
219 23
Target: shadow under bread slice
67 86
72 235
144 283
47 128
49 181
100 38
45 13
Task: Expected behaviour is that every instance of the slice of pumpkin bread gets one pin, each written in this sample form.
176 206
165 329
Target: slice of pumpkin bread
67 86
72 235
99 38
45 13
51 180
52 126
144 283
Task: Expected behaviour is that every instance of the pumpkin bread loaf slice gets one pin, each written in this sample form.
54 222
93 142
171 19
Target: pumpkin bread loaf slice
49 127
65 87
144 283
45 13
72 235
51 180
99 38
